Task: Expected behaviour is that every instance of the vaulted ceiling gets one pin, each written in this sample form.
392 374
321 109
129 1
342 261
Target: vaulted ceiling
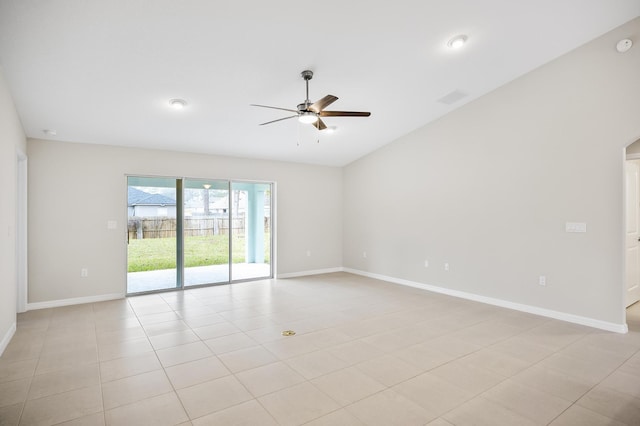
104 71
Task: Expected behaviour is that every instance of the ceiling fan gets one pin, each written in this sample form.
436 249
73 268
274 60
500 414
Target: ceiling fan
311 113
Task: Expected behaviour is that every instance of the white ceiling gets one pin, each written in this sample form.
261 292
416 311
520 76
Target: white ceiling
104 71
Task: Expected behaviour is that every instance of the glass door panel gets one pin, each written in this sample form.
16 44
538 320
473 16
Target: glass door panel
206 232
151 234
251 230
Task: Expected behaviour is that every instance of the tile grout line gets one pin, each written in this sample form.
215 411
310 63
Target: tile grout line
24 403
594 386
164 371
95 329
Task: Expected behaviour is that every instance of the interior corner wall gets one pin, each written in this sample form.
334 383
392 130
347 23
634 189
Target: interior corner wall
12 141
489 188
74 189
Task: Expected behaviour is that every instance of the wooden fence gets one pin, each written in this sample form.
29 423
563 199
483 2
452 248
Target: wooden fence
165 227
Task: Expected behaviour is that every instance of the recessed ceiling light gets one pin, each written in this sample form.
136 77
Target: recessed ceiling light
457 42
177 103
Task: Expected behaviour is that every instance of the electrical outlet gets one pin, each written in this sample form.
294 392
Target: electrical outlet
542 280
364 254
84 272
308 253
426 263
446 267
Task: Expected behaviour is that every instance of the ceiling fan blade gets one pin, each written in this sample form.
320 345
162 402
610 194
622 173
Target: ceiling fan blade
279 119
321 104
319 124
272 107
344 114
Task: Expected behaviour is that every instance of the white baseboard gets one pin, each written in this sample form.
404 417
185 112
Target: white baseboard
576 319
7 338
74 301
310 272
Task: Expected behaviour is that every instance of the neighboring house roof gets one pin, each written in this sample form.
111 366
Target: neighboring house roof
137 197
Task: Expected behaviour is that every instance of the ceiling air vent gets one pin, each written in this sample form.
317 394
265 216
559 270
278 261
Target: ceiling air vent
452 97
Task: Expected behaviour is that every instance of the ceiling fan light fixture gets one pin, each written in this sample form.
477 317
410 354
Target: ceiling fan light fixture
457 42
308 117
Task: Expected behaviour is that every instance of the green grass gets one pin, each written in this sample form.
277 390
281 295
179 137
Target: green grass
160 253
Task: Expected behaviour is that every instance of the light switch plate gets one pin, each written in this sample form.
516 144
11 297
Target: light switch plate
112 224
576 227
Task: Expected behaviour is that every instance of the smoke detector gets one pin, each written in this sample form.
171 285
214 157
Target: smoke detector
624 45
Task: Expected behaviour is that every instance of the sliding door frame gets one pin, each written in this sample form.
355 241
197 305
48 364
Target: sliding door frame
180 260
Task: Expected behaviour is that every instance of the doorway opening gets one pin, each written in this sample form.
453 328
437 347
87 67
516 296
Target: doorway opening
632 229
21 233
185 232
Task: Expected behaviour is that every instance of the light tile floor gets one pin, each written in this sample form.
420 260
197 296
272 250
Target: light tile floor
365 353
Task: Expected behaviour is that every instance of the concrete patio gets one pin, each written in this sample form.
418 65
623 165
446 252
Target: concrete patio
138 282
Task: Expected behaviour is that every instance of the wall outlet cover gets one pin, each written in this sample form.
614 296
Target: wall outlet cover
576 227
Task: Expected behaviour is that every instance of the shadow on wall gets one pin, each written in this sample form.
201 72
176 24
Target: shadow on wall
633 151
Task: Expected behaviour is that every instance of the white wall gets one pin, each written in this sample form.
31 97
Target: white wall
489 187
12 141
74 189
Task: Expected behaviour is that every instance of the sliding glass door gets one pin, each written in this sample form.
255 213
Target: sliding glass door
206 232
252 236
191 232
151 234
